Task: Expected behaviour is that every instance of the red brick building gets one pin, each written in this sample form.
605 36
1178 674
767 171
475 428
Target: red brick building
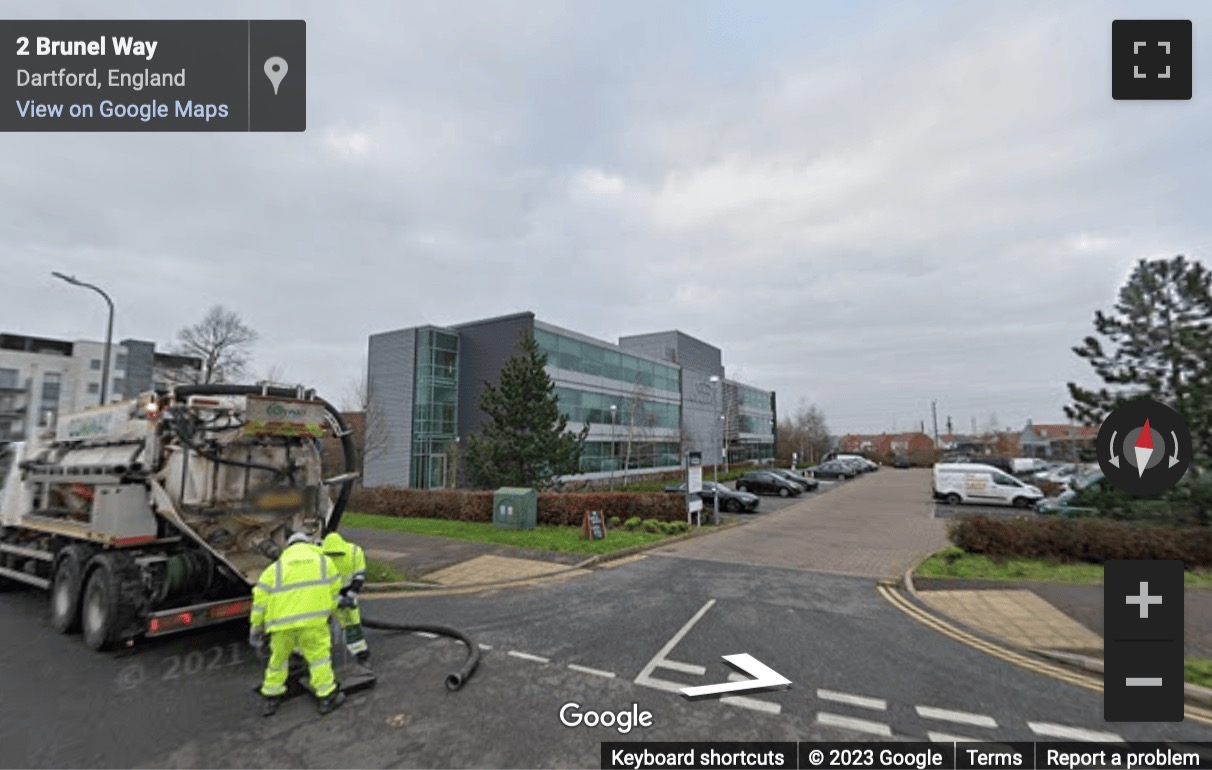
887 444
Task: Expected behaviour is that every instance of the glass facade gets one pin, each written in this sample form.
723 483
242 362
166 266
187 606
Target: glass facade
435 400
576 356
753 398
607 456
583 406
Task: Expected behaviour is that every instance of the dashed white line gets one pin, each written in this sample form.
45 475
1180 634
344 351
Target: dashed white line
1073 733
483 646
876 704
946 738
528 656
685 668
850 723
594 671
752 704
963 717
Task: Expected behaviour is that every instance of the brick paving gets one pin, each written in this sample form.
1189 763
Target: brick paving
877 525
1019 617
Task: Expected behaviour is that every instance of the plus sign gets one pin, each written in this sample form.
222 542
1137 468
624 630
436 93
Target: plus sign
1144 600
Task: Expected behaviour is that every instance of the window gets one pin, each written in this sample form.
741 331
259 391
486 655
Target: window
8 378
95 364
121 362
94 387
1005 481
50 390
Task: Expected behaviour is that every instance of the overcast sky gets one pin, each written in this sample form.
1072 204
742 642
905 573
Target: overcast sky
867 206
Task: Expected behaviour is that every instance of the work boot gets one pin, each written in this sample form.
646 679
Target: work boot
332 702
269 705
363 658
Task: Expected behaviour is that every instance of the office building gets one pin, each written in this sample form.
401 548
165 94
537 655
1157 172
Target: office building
41 377
647 399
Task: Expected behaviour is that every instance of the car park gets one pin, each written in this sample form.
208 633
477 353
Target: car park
981 484
731 500
795 477
765 482
833 469
900 461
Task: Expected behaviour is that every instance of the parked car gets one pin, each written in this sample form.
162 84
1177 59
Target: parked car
856 464
862 463
766 482
730 500
981 484
900 461
794 476
833 469
1063 505
1059 474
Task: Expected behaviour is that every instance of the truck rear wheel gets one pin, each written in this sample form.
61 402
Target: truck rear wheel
65 589
105 609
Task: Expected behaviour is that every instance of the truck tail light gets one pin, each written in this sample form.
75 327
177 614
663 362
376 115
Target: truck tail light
232 610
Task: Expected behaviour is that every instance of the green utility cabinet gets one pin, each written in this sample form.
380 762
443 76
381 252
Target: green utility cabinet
515 508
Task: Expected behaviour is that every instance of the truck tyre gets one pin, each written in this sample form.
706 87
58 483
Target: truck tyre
65 589
953 499
106 608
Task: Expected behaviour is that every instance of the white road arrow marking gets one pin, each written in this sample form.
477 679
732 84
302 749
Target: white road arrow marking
1174 457
1143 453
1114 456
764 677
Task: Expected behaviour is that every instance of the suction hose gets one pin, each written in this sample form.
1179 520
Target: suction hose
455 680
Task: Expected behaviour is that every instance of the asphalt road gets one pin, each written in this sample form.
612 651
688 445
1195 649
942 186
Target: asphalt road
621 638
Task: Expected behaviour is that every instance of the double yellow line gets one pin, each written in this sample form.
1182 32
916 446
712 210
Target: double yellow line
1095 684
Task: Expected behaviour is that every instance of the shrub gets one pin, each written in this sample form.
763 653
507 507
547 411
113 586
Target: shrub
566 508
632 524
677 527
613 522
1082 540
652 526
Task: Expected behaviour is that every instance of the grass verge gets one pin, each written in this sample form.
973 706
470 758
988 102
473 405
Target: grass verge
379 572
558 539
956 563
1198 671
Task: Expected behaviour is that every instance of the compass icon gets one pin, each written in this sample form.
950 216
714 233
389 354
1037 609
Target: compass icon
1144 447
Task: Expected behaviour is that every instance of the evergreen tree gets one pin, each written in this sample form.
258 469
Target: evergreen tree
1159 344
524 442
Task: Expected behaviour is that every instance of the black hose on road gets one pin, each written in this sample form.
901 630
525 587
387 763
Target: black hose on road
455 680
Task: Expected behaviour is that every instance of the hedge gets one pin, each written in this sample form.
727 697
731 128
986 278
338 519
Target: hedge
1082 540
553 507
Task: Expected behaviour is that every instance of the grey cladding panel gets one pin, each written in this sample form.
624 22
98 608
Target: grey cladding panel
391 373
483 350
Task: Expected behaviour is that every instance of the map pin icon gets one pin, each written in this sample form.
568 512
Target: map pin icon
275 70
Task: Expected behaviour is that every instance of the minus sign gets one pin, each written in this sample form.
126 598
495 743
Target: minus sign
1144 681
1145 640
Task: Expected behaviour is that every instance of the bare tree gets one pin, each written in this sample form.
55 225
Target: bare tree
371 435
222 341
276 374
636 417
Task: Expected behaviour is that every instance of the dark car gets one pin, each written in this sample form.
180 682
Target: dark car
730 500
767 483
900 461
793 476
833 469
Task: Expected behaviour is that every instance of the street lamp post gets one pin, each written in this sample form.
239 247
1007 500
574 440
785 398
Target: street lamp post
715 464
109 330
614 409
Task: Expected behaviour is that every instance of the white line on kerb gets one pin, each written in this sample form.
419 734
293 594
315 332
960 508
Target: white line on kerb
426 634
594 671
861 701
963 717
850 723
1074 733
528 656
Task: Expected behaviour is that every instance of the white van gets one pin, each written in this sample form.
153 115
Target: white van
981 484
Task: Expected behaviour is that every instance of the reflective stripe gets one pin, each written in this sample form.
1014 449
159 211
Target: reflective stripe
278 574
263 587
304 584
259 607
282 667
323 567
271 692
320 662
292 618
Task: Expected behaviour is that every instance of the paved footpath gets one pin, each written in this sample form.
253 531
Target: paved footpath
876 526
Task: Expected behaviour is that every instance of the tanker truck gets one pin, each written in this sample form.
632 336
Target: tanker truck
157 514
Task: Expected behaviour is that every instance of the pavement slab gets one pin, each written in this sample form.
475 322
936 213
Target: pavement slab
1017 616
493 569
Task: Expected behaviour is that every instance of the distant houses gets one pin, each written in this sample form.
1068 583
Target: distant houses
1050 442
